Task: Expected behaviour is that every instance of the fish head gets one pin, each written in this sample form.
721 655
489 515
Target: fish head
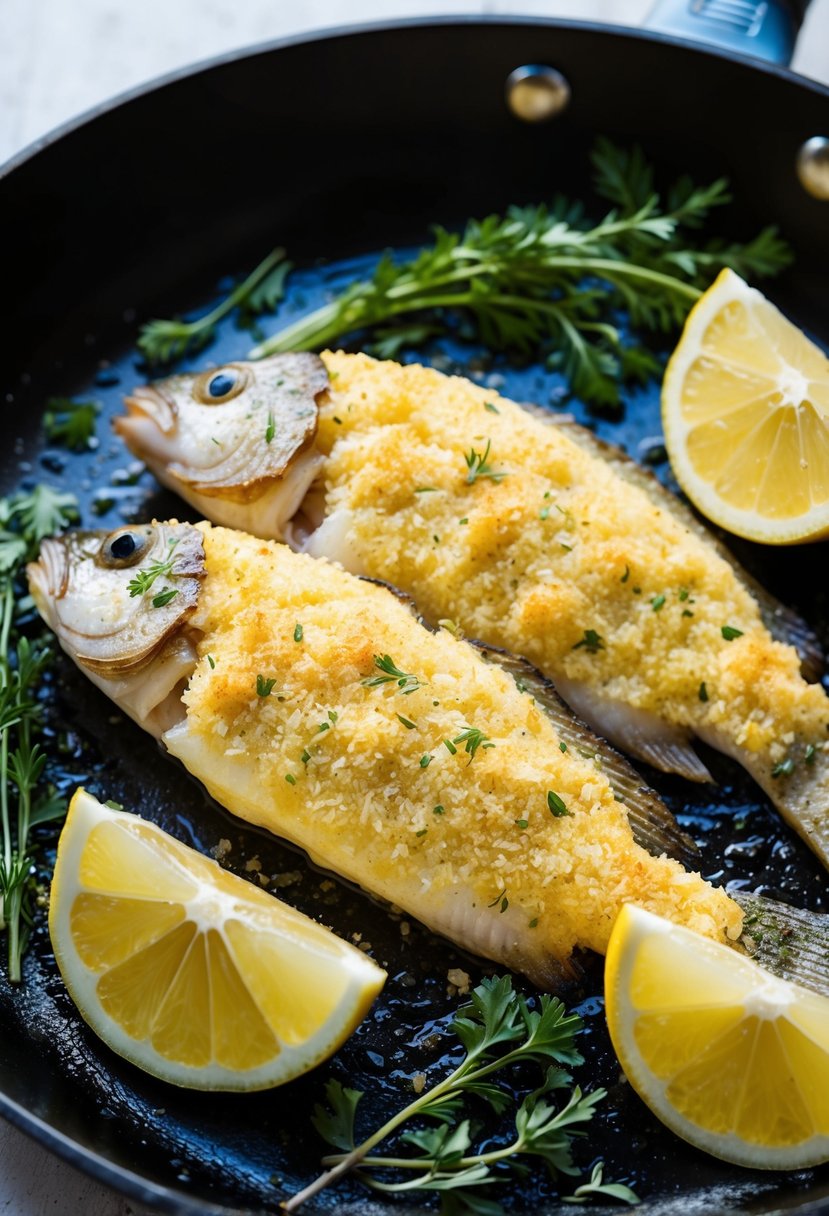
229 432
117 599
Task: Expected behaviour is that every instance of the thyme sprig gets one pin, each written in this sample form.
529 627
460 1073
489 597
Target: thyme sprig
144 579
478 466
546 281
25 798
498 1030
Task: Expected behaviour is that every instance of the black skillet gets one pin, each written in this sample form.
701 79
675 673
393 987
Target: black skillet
337 146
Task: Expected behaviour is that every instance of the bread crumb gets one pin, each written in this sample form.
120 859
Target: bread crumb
254 865
221 849
459 980
419 1082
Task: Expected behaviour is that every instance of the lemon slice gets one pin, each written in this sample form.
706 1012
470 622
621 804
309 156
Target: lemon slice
192 973
732 1059
745 409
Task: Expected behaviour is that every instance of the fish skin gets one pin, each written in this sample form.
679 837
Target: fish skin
387 432
361 794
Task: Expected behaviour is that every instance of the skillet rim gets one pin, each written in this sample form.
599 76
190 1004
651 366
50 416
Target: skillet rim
43 142
91 1162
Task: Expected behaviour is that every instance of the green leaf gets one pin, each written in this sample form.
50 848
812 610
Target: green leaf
610 1190
336 1123
42 513
49 807
71 423
494 1015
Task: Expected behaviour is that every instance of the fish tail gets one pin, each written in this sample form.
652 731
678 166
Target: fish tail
789 942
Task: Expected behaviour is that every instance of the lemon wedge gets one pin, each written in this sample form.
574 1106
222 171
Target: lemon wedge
732 1059
188 971
745 410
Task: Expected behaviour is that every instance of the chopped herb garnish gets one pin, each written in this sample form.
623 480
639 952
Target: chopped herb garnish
683 594
463 521
809 756
270 429
437 810
730 633
522 823
298 632
472 739
626 575
164 597
407 722
501 895
290 778
556 805
657 602
392 674
141 583
544 513
562 746
264 686
493 409
332 715
450 747
306 755
592 642
533 924
703 692
426 490
687 612
784 769
422 832
323 726
426 760
478 466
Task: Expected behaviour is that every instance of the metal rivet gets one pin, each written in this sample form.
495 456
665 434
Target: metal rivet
813 166
536 93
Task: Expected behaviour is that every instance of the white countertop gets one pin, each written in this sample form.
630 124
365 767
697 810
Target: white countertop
58 58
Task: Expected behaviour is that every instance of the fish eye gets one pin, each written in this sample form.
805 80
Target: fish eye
220 385
124 547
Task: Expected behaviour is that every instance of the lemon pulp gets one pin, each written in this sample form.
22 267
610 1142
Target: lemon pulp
188 971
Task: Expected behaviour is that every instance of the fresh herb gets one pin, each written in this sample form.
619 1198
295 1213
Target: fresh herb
498 1030
164 597
544 280
71 423
626 575
306 755
612 1190
592 642
407 722
298 632
478 465
426 490
785 768
290 778
703 692
562 747
270 429
556 805
261 291
683 594
25 520
264 687
438 810
426 760
392 674
472 739
658 602
522 824
493 409
450 747
141 583
809 755
730 633
211 661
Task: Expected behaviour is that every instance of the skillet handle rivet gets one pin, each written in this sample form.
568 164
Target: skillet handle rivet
813 166
536 93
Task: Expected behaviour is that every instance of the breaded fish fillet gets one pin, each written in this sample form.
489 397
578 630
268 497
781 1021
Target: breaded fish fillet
314 704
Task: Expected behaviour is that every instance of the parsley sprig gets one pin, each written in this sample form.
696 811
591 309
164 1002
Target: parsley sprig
144 579
164 341
498 1030
71 423
406 682
25 798
546 281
